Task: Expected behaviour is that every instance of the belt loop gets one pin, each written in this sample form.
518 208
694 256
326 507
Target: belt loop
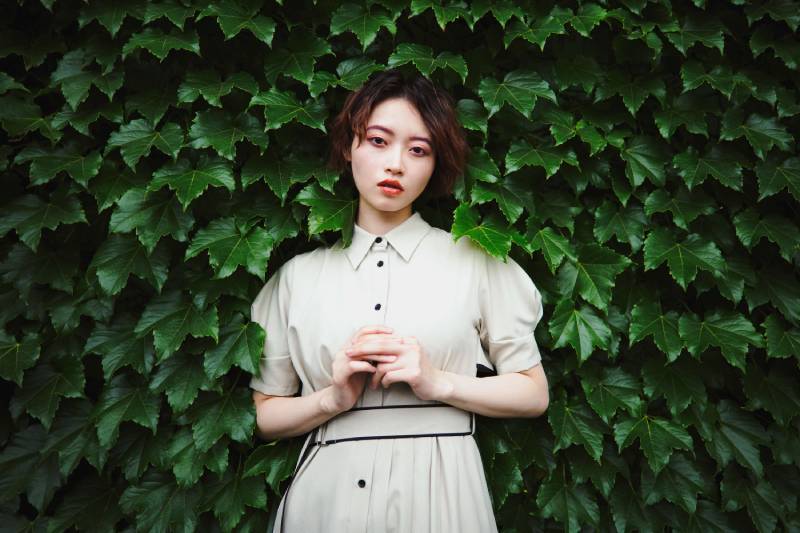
472 424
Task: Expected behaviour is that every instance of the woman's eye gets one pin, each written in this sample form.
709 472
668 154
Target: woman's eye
375 139
420 151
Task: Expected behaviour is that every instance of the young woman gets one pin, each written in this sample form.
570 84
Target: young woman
383 337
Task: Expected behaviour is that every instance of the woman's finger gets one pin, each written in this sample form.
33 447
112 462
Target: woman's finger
374 328
361 366
376 347
397 376
373 357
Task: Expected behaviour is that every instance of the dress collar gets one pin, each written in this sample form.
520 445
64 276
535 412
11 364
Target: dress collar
404 238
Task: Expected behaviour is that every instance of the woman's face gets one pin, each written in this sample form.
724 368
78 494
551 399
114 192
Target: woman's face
393 165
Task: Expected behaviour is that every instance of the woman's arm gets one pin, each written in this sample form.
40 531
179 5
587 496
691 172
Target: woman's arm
518 394
279 417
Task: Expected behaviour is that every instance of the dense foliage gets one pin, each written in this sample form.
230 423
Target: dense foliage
638 158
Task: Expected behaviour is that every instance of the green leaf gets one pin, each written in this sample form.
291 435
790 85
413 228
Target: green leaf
490 233
553 245
729 331
576 424
684 206
124 399
781 342
362 21
633 90
16 357
119 347
26 470
422 58
751 228
297 59
276 460
190 181
181 377
188 463
160 44
627 224
720 78
46 163
658 438
169 9
328 212
760 499
512 195
780 10
213 416
647 318
787 49
774 177
696 28
722 163
763 133
74 80
160 505
91 505
171 320
45 385
592 274
229 495
775 392
645 157
281 107
20 117
218 130
679 482
122 255
29 215
230 245
568 503
23 268
111 15
540 28
580 328
207 83
519 88
152 215
234 16
444 13
73 437
353 72
242 345
577 70
280 174
684 258
137 138
550 158
587 17
472 115
614 389
678 382
687 110
736 435
777 285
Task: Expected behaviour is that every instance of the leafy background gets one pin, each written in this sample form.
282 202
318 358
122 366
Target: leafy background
638 158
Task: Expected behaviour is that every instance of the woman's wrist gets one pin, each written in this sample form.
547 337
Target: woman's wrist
327 402
444 387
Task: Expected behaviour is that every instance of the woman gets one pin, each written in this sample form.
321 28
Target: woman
384 336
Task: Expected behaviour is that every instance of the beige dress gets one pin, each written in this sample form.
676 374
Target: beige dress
464 307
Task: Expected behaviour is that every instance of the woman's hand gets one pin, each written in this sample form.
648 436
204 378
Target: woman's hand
350 372
412 366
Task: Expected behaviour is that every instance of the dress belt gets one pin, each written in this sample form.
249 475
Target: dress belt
395 422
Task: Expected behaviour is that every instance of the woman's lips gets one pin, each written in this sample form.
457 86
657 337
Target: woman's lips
390 187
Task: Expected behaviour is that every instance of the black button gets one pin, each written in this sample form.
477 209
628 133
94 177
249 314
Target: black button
380 263
378 239
377 307
362 483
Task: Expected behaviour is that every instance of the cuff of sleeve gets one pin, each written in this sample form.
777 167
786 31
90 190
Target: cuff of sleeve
271 389
515 355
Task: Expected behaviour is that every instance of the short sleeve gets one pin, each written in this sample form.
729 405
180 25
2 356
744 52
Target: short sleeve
276 375
510 307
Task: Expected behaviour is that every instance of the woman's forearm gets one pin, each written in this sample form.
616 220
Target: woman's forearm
518 394
288 416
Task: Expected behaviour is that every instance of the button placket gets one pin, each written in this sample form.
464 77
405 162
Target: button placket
380 274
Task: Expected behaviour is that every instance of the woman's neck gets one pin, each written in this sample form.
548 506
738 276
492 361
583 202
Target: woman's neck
380 222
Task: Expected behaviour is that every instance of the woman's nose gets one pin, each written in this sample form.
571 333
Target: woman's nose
394 160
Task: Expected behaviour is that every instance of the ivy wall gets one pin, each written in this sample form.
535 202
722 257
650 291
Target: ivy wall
639 159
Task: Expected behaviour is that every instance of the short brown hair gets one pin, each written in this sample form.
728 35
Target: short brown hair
433 104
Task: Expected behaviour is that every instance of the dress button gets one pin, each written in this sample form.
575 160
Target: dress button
380 263
377 307
378 239
362 483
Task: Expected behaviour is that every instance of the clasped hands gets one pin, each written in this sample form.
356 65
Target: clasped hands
389 359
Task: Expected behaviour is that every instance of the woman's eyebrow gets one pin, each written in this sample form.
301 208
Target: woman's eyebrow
390 132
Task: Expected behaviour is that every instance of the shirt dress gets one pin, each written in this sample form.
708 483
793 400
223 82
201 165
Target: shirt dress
464 306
